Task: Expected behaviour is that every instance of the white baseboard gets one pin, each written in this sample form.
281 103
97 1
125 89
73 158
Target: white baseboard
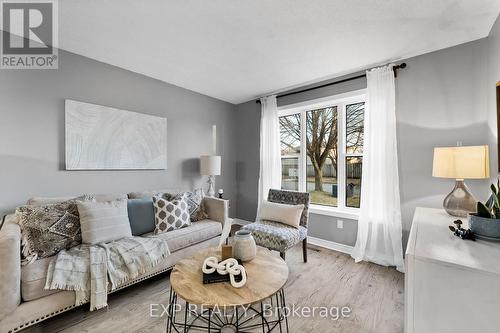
240 221
330 245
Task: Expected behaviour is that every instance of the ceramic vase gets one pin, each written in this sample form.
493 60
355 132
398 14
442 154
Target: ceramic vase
244 247
485 228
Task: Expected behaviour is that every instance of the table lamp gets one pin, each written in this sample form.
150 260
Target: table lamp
461 163
210 166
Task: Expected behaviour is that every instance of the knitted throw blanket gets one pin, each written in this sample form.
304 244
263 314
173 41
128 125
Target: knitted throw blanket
85 269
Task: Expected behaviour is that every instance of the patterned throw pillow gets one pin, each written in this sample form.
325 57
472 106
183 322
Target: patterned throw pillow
48 229
170 215
194 200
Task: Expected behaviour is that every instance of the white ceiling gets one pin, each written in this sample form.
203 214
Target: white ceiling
236 50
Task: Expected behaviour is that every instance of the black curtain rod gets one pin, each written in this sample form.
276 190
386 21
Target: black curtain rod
394 68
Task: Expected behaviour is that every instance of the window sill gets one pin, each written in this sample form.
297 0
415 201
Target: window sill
352 214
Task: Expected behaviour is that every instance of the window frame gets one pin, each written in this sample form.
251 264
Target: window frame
341 101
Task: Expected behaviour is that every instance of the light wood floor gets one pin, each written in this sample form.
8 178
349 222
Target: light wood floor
373 293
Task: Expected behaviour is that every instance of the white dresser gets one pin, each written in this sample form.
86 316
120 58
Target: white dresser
451 285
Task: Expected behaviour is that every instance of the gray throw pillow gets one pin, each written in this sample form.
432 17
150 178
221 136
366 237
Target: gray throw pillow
103 222
141 215
49 228
170 215
194 200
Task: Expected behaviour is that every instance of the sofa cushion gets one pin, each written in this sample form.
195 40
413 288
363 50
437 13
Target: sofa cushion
141 215
275 235
170 215
103 222
38 201
33 280
150 193
33 276
197 232
110 197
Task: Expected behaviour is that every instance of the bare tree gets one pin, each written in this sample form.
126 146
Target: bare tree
322 136
290 133
354 127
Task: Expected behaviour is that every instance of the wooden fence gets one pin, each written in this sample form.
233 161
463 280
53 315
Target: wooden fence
289 168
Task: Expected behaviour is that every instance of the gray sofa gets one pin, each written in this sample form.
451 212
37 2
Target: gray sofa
23 300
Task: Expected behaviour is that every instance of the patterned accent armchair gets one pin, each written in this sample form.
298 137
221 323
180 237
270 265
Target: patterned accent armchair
278 236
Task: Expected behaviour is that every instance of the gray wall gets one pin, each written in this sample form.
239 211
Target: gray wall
441 99
493 79
32 131
247 138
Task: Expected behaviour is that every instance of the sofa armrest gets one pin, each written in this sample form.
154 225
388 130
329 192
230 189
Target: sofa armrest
10 266
217 209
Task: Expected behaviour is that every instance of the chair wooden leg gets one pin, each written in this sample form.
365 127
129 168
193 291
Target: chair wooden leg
282 255
304 249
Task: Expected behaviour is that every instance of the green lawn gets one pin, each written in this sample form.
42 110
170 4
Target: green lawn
353 201
326 180
325 198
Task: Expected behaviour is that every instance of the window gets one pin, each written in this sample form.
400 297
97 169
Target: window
322 150
355 116
290 151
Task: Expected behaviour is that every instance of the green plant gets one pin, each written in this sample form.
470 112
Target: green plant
491 209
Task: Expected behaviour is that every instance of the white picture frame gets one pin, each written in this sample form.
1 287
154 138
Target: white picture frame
104 138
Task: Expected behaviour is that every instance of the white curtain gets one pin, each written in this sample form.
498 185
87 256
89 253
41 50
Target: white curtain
270 156
379 225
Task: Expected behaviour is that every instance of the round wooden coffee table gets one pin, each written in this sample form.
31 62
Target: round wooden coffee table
219 307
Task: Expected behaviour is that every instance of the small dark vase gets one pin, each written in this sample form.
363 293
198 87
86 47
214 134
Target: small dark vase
485 228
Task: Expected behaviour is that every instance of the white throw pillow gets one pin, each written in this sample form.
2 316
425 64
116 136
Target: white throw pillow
103 222
283 213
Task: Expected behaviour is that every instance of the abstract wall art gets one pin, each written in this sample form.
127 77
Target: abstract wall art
105 138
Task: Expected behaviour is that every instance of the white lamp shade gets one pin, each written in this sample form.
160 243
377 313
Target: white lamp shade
470 162
210 165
